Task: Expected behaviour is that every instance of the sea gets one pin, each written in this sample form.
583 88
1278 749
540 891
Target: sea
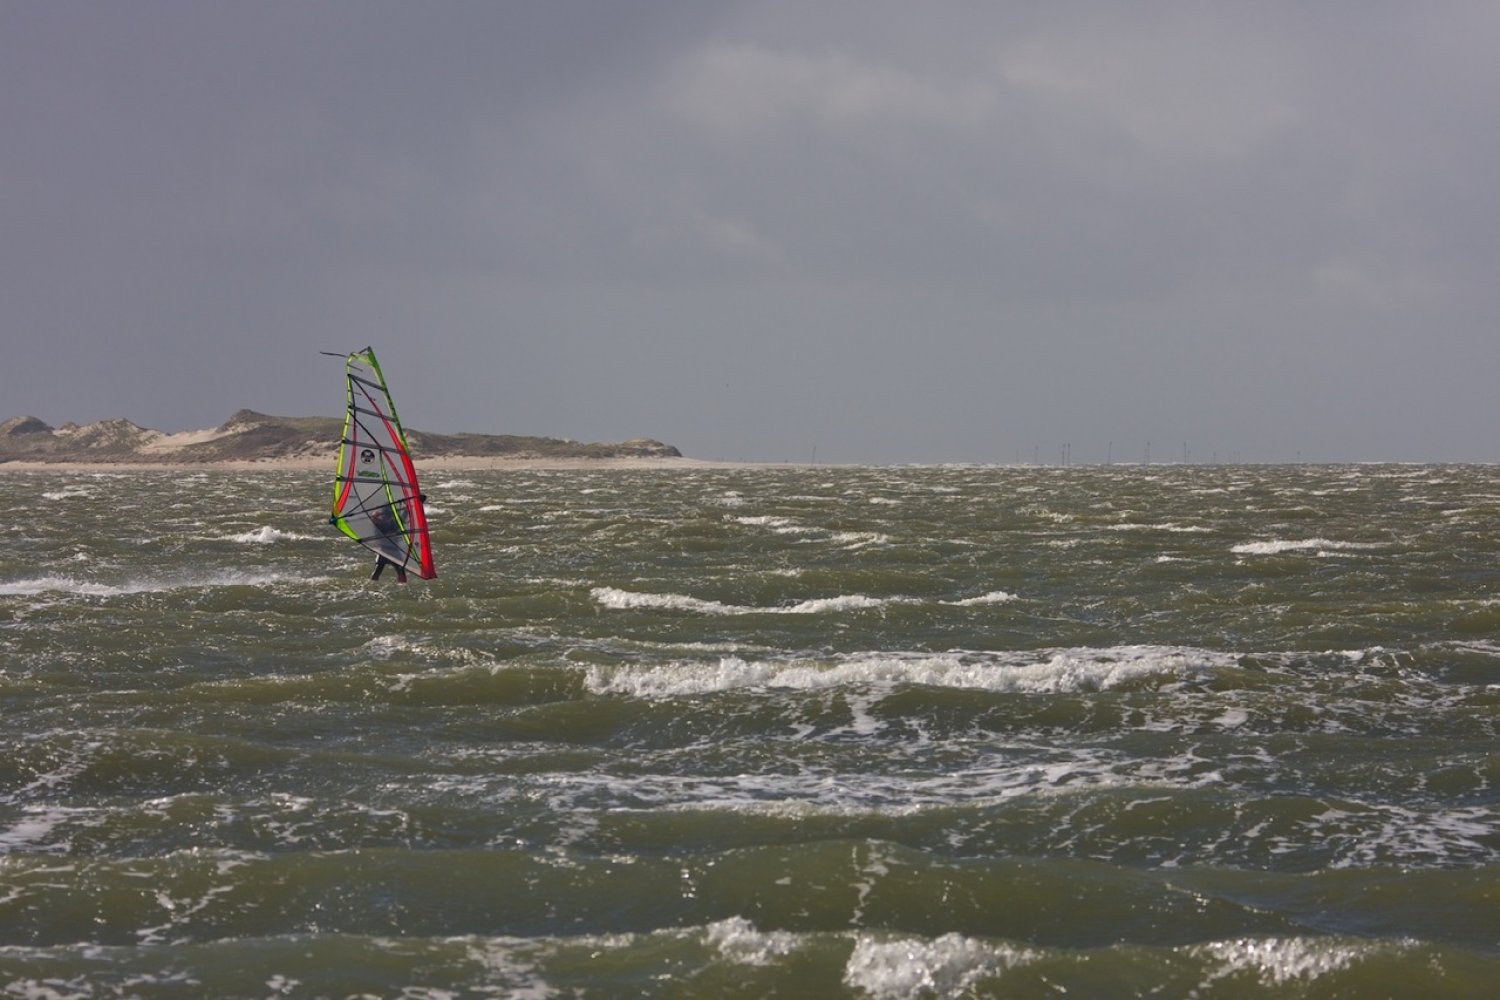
824 732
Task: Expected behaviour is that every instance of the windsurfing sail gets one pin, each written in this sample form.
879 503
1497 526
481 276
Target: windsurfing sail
376 499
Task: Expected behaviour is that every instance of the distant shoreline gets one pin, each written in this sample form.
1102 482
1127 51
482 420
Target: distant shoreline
438 463
249 439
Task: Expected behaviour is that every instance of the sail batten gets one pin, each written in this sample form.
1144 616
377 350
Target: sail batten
376 498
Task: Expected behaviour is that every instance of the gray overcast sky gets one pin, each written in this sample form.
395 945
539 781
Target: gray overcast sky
772 229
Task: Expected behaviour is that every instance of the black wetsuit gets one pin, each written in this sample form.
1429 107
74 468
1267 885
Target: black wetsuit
381 562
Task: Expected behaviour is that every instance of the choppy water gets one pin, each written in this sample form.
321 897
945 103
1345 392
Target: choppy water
1214 731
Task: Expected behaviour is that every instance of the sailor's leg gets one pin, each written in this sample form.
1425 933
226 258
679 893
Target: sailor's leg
380 564
400 573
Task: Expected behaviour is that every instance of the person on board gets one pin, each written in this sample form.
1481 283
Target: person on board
381 562
384 520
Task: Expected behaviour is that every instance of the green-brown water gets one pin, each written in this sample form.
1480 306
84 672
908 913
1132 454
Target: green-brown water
1213 731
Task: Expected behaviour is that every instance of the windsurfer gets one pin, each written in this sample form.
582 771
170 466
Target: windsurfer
383 519
381 562
375 496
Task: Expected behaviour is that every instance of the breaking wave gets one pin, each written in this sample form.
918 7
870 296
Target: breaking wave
1040 672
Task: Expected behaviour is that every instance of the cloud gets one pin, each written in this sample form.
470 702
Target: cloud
746 91
598 219
1182 87
1374 284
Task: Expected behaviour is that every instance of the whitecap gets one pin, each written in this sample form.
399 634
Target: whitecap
1279 961
32 831
501 958
1039 672
944 966
66 585
859 539
612 597
783 525
1232 718
993 597
67 493
265 535
35 586
1278 545
739 942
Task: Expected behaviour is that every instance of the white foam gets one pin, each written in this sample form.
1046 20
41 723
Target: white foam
863 722
986 780
944 966
1232 718
739 942
622 600
875 867
502 958
993 597
266 534
788 526
62 584
34 829
1279 961
1367 834
66 493
89 588
1277 546
860 539
768 521
1039 672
